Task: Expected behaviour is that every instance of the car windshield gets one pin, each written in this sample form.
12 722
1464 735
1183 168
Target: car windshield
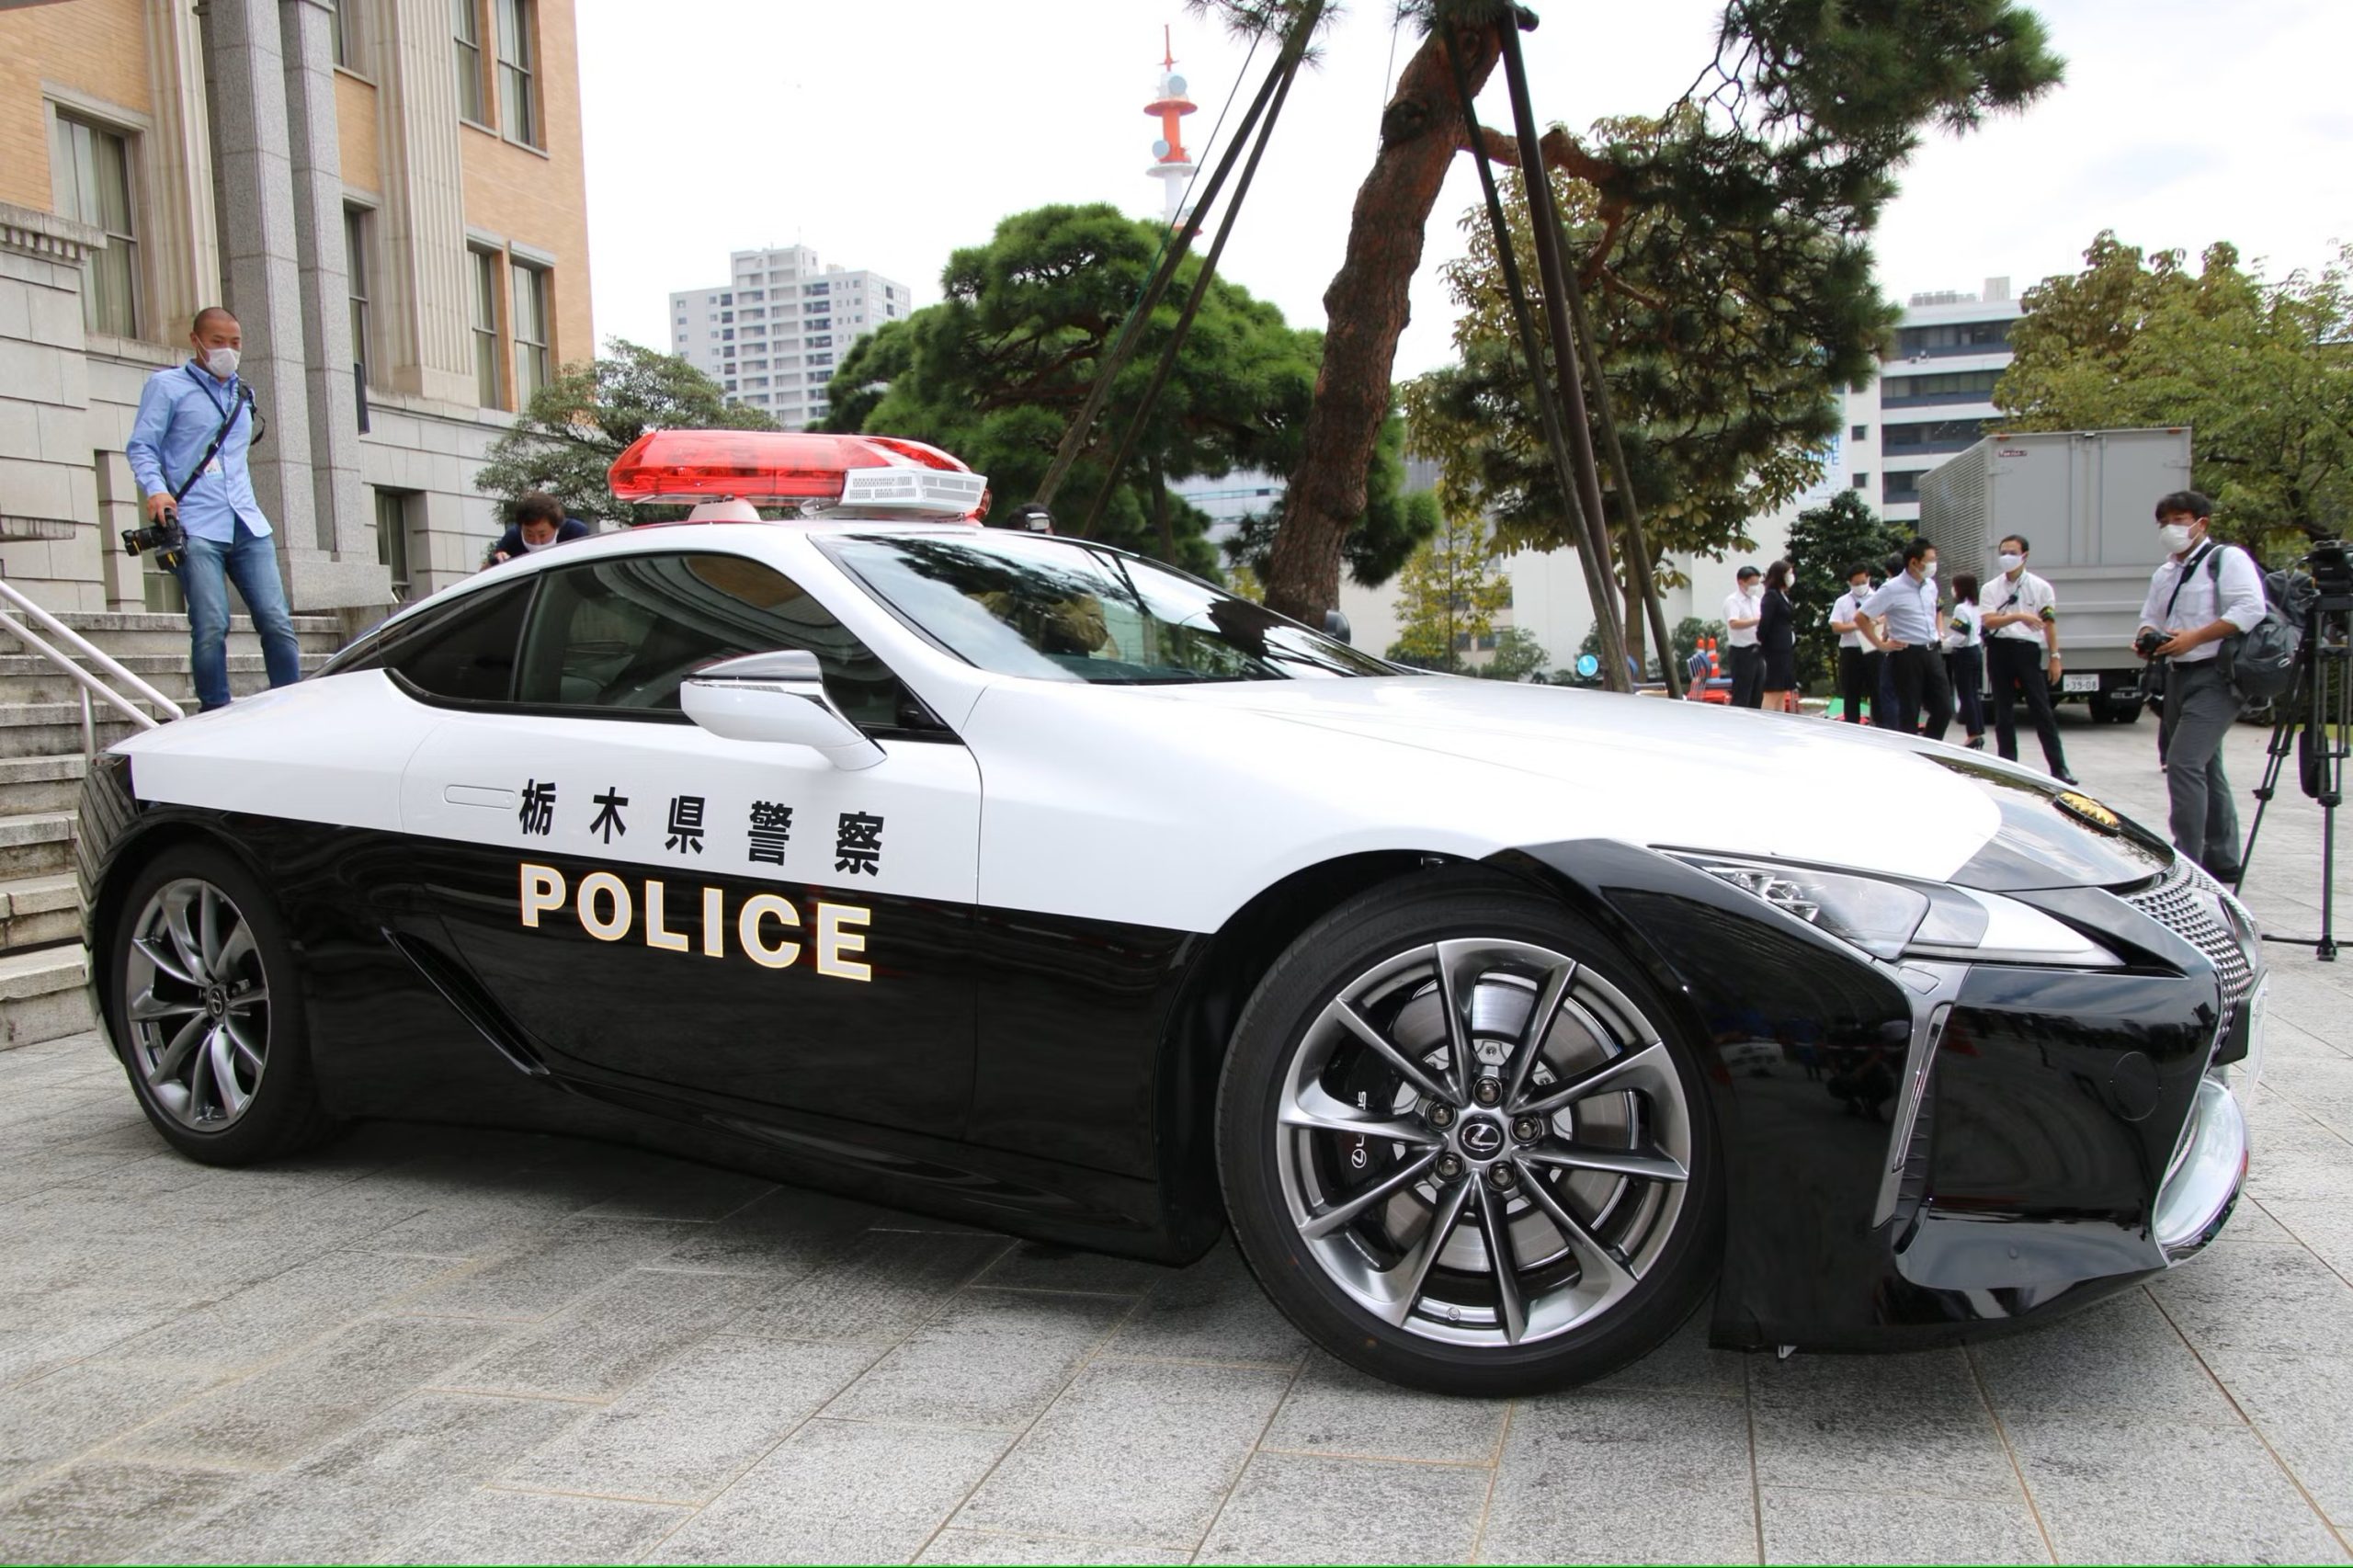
1063 610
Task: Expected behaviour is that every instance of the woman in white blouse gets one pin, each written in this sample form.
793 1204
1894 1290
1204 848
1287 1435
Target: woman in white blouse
1965 657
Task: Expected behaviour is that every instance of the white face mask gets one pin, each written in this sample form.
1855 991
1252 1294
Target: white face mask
2010 562
1927 571
221 362
1861 589
2173 537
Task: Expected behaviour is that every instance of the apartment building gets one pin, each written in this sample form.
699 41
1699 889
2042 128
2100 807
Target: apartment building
1935 392
773 334
389 195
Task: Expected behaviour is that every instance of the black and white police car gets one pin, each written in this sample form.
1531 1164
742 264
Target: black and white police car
1022 879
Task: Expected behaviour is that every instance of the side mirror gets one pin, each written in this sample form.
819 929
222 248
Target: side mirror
1335 626
779 698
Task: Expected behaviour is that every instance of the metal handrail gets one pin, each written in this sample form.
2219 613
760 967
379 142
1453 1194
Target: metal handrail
91 684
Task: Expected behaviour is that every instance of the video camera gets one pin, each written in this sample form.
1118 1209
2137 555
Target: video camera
164 539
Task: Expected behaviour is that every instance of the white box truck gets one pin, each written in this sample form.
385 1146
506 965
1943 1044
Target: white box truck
2083 500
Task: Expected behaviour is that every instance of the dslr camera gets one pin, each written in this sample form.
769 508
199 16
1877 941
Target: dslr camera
2148 642
164 539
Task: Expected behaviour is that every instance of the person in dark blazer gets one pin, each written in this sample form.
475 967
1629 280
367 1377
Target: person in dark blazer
1776 634
535 520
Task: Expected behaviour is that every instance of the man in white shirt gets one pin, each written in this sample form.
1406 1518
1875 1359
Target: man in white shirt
2203 591
2022 654
1915 646
1858 660
1743 609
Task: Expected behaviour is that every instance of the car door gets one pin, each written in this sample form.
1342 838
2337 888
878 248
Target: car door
653 904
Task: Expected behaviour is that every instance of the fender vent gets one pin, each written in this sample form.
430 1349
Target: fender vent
458 989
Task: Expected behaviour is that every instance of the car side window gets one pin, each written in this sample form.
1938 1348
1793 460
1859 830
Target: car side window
622 634
461 651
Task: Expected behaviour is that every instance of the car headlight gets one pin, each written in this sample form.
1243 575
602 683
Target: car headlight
1891 919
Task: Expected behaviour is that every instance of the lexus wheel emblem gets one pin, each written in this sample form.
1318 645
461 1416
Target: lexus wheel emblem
1482 1137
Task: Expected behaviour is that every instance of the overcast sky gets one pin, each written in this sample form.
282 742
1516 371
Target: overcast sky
886 135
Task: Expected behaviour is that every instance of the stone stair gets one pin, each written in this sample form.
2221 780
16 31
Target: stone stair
43 966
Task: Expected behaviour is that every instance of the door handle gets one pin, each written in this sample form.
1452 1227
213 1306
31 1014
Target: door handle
489 796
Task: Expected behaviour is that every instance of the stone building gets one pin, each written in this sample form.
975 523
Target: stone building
389 195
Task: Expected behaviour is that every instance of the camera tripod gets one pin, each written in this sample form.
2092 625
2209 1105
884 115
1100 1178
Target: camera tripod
2314 725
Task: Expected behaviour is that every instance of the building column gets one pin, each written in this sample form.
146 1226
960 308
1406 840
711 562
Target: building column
330 394
426 311
262 225
185 251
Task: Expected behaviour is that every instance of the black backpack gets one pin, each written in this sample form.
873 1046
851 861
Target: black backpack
2260 663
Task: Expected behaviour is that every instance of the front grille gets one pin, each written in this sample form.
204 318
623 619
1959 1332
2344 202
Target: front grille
2189 903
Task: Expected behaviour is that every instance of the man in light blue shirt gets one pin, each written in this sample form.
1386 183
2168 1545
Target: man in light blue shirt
1914 645
181 412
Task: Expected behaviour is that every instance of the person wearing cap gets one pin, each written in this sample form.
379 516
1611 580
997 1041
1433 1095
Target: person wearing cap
1743 608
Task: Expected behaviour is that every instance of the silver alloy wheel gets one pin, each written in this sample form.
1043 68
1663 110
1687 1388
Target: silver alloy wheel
195 1005
1484 1142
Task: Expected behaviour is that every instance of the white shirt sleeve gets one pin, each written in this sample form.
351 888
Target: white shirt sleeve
2238 596
2153 610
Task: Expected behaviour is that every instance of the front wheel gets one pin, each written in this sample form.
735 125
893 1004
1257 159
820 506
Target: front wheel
1464 1147
204 1007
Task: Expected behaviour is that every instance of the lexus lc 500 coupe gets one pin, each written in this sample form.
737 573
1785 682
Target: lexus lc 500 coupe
1019 879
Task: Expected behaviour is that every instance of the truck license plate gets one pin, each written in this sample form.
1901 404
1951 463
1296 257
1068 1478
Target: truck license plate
2079 683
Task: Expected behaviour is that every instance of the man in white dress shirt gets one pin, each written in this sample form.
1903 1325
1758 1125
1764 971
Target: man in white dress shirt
2022 654
1742 607
2204 592
1913 644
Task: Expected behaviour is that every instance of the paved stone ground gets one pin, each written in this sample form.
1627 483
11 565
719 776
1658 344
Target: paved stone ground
437 1346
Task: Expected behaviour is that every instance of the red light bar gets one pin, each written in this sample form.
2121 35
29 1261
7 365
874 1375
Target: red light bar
759 465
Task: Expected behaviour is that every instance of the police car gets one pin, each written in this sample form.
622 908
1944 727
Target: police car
1029 882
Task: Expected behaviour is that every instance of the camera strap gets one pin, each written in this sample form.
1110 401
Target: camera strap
2209 550
242 402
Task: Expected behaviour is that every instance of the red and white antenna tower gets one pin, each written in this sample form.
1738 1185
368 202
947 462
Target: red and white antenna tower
1173 166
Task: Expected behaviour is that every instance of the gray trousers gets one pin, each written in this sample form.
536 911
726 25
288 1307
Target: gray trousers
2201 708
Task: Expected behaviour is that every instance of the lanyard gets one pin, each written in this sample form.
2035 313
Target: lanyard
225 410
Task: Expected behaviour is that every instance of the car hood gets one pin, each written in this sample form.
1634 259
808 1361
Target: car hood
1701 775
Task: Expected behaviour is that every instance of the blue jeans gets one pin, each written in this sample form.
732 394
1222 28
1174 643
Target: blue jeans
205 575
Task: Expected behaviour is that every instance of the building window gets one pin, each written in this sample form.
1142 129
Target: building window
1862 481
466 22
1862 432
531 329
90 173
342 33
518 99
392 539
359 263
486 325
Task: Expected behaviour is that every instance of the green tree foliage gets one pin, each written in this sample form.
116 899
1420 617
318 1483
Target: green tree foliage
1824 541
1751 196
1724 341
1448 595
2261 371
588 414
995 371
1517 655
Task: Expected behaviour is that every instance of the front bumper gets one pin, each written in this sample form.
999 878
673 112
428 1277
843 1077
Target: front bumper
1919 1153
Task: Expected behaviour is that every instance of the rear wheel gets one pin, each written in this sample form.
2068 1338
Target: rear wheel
1463 1146
203 1006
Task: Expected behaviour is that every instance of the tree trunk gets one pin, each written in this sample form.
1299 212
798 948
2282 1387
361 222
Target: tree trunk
1365 312
1160 510
1638 627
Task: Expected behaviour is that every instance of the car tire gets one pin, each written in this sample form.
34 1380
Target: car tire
201 995
1341 1125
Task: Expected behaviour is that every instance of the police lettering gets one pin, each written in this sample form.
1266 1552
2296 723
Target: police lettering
767 926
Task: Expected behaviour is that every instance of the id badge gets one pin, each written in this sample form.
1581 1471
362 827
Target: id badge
213 467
